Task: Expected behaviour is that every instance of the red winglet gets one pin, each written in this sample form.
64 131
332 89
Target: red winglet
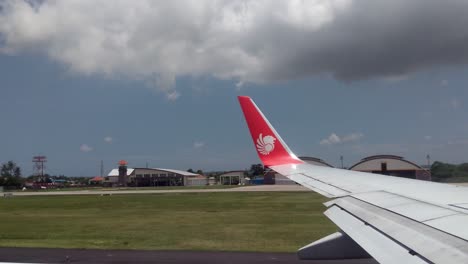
270 147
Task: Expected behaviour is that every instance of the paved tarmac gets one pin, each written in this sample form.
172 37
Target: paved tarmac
256 188
43 255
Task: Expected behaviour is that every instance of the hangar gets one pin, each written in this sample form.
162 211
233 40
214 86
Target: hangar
393 166
232 178
140 177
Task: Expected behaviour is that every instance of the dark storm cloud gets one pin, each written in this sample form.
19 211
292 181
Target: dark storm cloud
249 41
374 39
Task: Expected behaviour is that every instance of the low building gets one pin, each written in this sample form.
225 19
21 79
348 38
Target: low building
96 180
199 180
142 177
232 178
393 166
211 181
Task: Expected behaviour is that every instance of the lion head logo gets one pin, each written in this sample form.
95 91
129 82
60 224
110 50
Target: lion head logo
265 144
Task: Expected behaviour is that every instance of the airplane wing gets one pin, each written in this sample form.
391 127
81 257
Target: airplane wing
392 219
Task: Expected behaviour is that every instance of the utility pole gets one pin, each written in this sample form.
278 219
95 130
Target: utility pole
102 168
428 161
341 158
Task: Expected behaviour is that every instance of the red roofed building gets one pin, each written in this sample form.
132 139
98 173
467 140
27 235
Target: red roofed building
96 180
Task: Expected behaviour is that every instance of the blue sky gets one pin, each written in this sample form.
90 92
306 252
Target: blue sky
110 85
48 110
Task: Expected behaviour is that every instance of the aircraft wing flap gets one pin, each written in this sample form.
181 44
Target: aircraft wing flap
378 245
426 242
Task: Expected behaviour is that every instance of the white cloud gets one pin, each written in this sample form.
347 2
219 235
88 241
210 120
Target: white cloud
352 137
334 139
244 40
458 142
455 103
172 96
239 85
85 148
444 83
198 144
108 139
427 137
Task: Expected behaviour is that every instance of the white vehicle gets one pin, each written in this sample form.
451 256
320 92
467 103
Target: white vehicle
392 219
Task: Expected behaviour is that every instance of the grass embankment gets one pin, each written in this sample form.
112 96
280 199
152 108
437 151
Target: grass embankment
280 222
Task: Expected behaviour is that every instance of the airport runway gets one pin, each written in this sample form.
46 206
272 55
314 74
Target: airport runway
256 188
43 255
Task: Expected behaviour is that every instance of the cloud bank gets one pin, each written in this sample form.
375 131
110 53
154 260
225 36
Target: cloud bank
255 41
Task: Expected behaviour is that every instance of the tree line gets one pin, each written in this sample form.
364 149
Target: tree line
446 172
12 178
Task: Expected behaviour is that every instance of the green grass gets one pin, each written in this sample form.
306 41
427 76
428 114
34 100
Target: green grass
266 221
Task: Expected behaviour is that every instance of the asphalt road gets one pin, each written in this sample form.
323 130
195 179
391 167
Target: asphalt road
43 255
259 188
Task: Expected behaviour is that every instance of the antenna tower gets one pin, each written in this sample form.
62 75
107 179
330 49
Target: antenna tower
39 167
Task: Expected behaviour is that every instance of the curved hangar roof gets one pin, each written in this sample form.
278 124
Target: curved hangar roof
374 163
392 165
115 172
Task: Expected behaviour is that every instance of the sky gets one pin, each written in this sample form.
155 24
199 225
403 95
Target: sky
156 82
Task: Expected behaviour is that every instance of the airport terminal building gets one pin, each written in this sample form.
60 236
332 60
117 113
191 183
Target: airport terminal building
145 177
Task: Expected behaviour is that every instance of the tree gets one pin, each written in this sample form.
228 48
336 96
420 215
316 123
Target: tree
190 170
10 169
446 172
200 172
10 175
256 169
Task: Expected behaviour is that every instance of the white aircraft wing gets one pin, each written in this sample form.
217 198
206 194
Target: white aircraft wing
392 219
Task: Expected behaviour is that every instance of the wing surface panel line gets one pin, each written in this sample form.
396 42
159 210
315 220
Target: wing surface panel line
427 241
330 204
410 251
325 183
445 206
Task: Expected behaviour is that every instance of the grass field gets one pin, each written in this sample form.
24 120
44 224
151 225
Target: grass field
266 221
